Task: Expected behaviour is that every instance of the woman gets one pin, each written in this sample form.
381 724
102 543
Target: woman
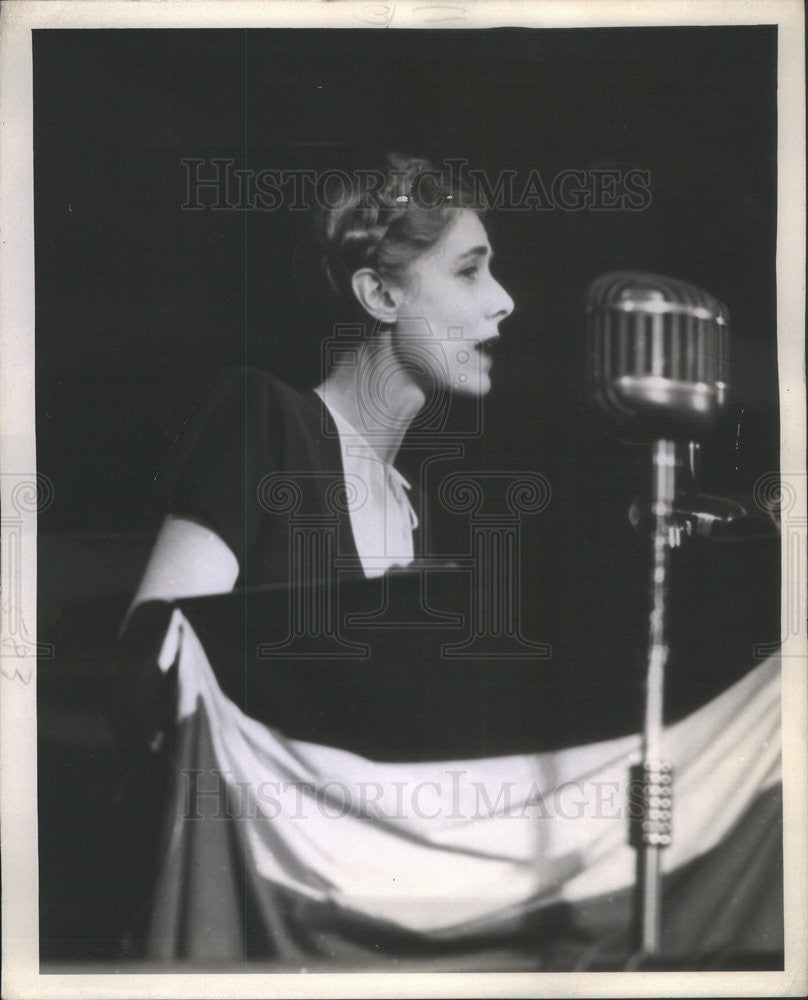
409 260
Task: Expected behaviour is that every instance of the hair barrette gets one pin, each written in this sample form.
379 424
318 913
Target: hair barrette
404 199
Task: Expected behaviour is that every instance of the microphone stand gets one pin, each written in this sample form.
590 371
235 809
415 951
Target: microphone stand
658 358
652 780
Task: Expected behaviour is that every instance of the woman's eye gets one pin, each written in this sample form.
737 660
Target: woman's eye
470 272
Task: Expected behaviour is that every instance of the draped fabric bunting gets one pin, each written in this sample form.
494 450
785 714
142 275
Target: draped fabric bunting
278 848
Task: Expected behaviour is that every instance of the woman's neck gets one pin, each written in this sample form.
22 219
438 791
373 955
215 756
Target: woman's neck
377 396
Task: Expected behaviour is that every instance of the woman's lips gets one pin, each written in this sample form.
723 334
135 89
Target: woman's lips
485 349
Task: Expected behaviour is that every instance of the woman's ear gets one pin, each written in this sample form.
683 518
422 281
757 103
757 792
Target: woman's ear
376 296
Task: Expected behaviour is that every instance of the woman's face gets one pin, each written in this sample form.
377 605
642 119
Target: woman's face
451 310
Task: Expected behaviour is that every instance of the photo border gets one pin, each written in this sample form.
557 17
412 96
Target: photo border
18 739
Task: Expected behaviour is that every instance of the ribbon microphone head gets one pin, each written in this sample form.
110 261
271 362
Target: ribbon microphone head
656 355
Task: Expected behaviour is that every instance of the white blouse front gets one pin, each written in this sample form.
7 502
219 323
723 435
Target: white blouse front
382 517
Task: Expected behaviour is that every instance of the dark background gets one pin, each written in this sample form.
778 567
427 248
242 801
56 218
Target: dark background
139 302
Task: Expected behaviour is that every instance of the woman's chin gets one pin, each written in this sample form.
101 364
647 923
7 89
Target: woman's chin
478 385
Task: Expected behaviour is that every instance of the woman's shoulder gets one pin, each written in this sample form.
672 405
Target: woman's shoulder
246 387
249 380
241 378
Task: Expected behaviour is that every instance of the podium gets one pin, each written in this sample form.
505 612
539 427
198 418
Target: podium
561 668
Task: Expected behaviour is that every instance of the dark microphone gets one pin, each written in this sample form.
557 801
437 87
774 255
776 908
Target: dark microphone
656 361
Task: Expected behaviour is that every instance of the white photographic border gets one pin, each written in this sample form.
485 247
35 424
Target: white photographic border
21 975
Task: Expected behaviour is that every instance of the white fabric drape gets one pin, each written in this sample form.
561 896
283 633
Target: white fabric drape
441 847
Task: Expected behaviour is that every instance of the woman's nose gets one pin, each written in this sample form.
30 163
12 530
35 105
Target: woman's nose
502 304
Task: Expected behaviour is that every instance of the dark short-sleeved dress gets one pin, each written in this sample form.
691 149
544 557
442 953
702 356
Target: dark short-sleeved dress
256 453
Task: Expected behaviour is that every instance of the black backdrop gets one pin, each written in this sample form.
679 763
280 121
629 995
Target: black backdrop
138 301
